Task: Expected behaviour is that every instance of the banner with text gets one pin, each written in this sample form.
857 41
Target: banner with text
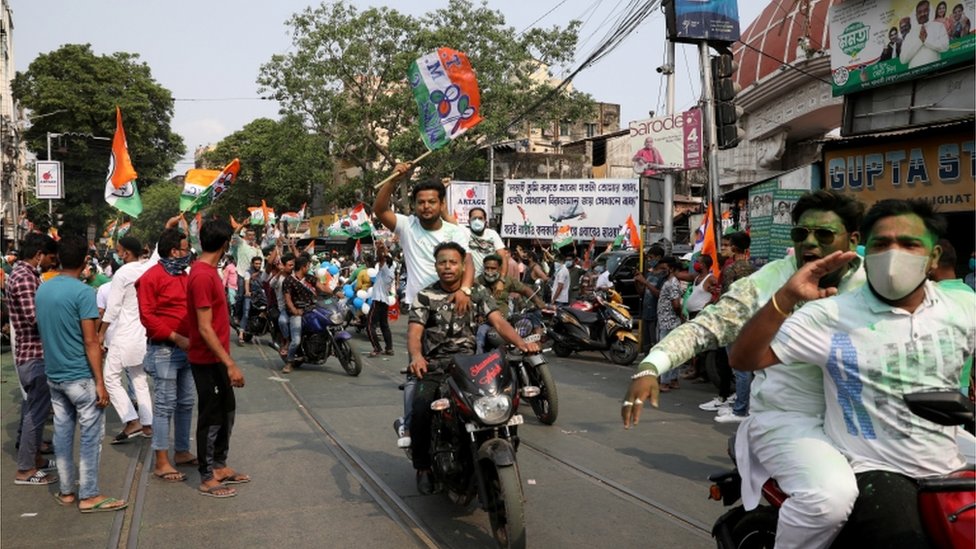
666 143
464 195
879 42
939 169
592 208
696 20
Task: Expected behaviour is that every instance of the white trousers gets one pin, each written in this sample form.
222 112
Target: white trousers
112 373
793 449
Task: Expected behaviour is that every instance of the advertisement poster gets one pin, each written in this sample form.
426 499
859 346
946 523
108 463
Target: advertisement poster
696 20
938 169
769 211
666 143
591 208
880 42
464 195
47 174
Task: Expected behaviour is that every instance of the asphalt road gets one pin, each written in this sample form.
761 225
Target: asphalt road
327 472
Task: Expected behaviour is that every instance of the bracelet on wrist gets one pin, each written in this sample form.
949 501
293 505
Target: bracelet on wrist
778 309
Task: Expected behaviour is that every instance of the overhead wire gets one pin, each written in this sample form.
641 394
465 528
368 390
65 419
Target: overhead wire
541 17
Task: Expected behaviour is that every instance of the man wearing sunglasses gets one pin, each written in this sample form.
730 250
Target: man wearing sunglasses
783 436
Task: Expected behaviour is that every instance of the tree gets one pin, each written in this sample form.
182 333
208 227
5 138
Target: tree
77 92
281 162
346 79
160 202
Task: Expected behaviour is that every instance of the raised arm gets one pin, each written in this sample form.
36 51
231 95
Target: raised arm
381 206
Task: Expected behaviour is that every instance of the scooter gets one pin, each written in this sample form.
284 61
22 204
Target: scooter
947 504
474 438
601 323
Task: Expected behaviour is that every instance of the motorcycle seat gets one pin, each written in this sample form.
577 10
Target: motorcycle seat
585 317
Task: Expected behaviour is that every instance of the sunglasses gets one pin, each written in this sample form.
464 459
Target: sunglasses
824 236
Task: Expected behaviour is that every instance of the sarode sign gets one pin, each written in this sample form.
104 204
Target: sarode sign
666 143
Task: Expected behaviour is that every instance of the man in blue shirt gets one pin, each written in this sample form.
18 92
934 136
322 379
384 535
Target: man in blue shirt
66 315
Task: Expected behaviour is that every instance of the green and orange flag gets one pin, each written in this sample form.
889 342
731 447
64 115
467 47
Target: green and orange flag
446 91
120 183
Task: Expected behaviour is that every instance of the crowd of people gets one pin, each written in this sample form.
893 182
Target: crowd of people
163 321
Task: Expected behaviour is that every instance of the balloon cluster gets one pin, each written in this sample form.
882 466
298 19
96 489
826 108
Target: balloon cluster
362 300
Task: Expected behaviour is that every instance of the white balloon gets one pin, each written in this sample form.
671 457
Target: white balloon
365 308
371 272
369 292
361 294
321 272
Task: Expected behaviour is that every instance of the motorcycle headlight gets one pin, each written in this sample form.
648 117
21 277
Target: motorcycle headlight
336 318
493 410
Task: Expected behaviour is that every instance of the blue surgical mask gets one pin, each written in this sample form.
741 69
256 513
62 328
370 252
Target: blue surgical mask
477 225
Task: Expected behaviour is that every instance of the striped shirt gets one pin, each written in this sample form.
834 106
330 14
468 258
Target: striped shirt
21 287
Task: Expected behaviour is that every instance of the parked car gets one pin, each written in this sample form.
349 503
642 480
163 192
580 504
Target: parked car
623 265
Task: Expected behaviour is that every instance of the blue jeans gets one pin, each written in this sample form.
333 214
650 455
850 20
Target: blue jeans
672 374
283 324
743 383
245 314
33 412
173 395
295 329
74 402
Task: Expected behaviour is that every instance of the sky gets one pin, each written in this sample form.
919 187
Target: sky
208 53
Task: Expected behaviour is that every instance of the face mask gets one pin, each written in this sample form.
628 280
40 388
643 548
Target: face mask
652 263
568 264
895 274
598 269
175 265
477 225
491 278
972 263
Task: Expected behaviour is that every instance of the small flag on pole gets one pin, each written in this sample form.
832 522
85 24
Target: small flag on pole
446 90
120 184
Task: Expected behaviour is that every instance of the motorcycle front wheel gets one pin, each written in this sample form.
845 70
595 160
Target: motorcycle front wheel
350 361
561 350
506 509
623 351
546 404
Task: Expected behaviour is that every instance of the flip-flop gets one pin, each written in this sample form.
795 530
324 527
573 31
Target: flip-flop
190 462
125 437
39 478
212 491
172 476
104 506
59 497
236 478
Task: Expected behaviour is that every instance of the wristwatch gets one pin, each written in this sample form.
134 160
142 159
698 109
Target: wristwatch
466 290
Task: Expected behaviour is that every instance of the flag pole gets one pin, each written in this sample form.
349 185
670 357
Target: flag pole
394 175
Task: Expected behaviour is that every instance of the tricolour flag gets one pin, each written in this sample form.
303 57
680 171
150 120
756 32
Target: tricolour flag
262 215
357 250
202 188
294 218
446 90
705 240
120 184
354 225
564 236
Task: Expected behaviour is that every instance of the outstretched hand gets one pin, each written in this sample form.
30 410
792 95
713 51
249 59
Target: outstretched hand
641 389
804 285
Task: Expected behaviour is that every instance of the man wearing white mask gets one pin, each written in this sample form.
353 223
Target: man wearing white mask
898 334
484 241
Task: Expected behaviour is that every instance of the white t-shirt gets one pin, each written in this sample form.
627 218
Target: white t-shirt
481 246
418 250
101 300
603 281
871 355
562 277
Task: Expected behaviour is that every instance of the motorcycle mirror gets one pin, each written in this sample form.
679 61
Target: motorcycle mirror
440 404
530 391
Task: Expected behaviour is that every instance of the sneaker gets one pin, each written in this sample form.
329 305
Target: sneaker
403 436
712 405
730 418
723 410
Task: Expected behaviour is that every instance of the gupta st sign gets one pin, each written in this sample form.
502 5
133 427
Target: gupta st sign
939 169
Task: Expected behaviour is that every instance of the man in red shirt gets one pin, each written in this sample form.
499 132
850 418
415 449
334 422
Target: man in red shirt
162 309
214 371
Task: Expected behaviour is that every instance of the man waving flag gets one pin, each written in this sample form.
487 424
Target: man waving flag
120 184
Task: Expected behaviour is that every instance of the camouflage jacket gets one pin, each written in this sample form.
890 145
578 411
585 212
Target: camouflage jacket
447 333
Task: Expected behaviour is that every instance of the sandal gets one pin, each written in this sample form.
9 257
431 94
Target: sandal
217 491
171 476
63 501
39 478
104 506
374 354
236 478
388 352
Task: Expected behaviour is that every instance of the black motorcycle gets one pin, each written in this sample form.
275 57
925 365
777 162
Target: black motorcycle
474 437
600 323
323 336
262 320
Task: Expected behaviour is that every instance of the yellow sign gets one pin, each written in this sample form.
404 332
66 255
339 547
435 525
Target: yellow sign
318 225
939 169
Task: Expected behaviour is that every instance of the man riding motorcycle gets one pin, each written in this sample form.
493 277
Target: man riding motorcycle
438 331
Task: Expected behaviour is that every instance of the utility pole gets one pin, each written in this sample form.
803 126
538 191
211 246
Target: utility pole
668 198
711 141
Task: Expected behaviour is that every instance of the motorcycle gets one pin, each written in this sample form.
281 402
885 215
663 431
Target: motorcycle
601 323
947 504
474 438
262 320
323 336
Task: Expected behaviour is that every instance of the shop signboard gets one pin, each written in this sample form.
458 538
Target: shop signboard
47 175
667 143
592 208
879 42
938 169
696 20
769 211
464 195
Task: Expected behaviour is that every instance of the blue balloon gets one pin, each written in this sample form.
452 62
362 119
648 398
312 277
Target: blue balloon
369 300
333 270
348 291
357 303
860 250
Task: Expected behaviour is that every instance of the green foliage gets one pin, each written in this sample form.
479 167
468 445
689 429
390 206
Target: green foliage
281 162
159 203
345 78
72 90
